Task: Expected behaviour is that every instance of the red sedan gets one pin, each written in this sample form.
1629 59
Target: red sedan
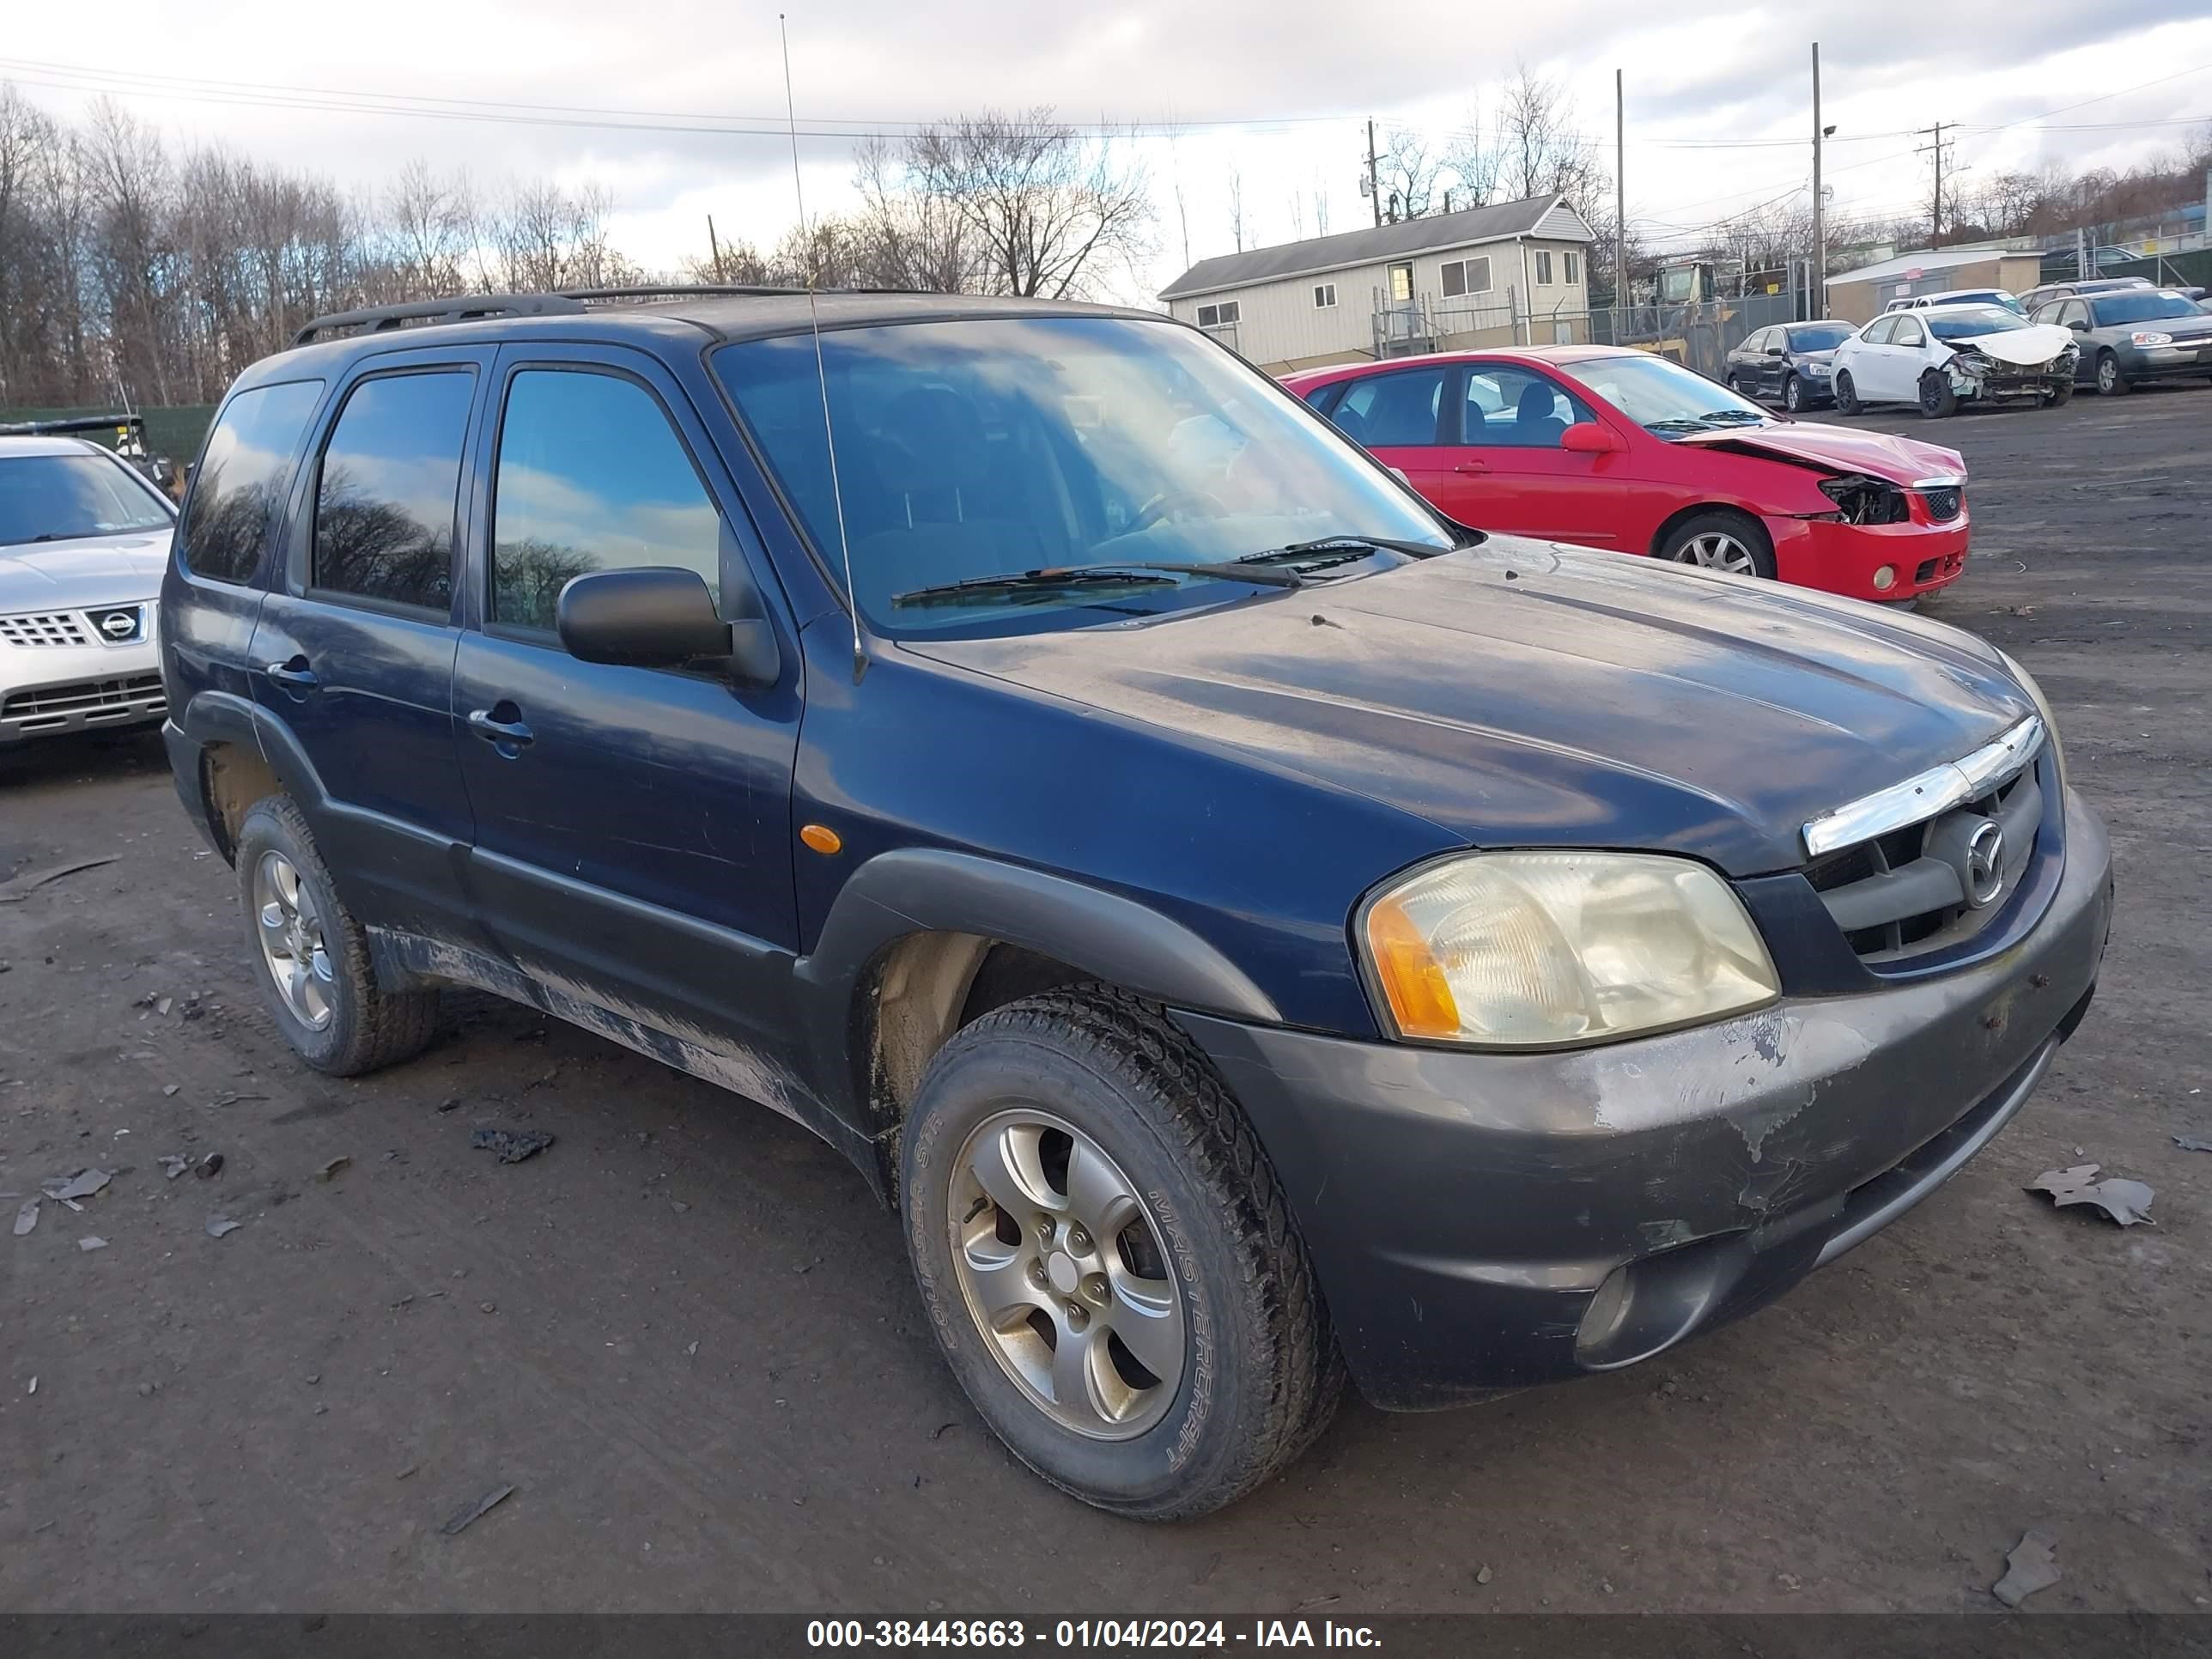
1612 448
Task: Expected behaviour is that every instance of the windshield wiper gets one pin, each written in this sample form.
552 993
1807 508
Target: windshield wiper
1135 573
1674 423
1735 416
1338 550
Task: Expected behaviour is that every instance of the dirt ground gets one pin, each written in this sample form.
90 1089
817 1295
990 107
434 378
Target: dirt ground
687 1339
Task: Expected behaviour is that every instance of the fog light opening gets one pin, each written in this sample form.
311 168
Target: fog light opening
1885 579
1602 1318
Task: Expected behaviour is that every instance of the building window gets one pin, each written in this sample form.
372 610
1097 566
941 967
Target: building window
1543 266
1467 276
1574 269
1324 296
1218 316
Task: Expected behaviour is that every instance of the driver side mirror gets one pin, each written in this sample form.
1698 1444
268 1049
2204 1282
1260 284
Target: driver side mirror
1588 438
661 616
2078 325
1774 351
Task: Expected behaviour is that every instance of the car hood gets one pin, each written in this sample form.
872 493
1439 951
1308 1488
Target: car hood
1838 449
1524 693
2038 343
92 570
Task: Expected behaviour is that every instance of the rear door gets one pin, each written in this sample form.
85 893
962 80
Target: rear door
354 651
1397 415
1507 421
633 837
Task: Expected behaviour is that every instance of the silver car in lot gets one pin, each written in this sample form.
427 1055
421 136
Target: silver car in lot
84 542
2135 335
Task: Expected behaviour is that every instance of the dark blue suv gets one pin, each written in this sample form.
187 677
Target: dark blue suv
1250 928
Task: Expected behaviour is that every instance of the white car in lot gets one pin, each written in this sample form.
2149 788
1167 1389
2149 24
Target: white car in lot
83 541
1945 356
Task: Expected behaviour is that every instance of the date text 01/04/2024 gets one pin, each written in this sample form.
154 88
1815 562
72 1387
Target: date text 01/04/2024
1092 1633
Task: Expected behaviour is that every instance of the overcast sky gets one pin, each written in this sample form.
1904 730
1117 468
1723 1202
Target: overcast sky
1276 90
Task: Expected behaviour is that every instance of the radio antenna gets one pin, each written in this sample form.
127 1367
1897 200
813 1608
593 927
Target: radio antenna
821 372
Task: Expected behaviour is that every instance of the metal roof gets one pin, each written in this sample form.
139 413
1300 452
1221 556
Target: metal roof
1940 259
1432 234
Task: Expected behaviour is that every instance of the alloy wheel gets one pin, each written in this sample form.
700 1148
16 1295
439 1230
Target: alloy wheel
290 930
1793 395
1063 1270
1715 550
2108 374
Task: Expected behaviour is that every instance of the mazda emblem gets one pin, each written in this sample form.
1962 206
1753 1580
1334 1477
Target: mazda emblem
1986 865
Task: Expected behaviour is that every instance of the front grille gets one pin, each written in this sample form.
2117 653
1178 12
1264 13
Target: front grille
1895 901
1943 505
43 628
86 703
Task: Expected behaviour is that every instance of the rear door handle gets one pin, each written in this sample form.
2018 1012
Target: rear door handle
293 673
1470 466
499 732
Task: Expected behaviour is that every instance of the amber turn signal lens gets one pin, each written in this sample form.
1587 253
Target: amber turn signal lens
1412 980
822 838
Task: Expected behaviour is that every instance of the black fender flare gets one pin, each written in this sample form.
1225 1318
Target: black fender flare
213 717
928 889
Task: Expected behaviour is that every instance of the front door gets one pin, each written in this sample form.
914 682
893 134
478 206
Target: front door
354 649
1508 467
633 834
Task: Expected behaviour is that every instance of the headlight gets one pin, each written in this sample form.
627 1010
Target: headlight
1521 950
1818 371
2042 708
2149 336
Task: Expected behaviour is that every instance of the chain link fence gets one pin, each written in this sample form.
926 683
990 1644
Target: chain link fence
1698 334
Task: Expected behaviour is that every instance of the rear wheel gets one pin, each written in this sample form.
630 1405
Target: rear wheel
2110 383
1847 395
1107 1259
1938 400
1720 540
314 956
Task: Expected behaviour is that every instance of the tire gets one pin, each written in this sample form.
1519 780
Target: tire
1721 535
1937 401
2059 396
1847 395
1737 387
339 1022
1259 1371
1793 395
2110 383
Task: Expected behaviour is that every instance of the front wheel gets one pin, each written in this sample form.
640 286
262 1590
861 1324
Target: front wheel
2110 383
2059 396
1793 395
1107 1259
1847 394
1937 401
1720 540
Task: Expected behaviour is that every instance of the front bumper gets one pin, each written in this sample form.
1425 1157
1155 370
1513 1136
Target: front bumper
2164 362
50 690
1465 1211
1846 558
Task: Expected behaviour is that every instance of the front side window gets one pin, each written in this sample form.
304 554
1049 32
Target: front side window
591 476
983 448
1905 331
69 497
242 475
1663 398
1513 407
386 499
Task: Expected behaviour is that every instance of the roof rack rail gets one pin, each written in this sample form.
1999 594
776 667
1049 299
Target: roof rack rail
73 423
678 291
463 309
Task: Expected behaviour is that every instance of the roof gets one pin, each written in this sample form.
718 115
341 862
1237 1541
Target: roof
1429 234
1927 259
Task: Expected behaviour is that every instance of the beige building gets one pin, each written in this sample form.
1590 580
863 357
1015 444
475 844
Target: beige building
1514 273
1861 295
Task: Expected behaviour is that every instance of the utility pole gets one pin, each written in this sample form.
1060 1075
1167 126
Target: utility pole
1619 200
714 247
1936 216
1817 295
1374 183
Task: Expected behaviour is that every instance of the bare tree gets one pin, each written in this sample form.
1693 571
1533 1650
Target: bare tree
905 238
1411 174
1047 210
1236 208
1538 151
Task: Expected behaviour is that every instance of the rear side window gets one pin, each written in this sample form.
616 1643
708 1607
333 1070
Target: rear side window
592 477
1385 410
385 500
243 475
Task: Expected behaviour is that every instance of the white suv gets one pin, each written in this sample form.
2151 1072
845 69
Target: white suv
83 541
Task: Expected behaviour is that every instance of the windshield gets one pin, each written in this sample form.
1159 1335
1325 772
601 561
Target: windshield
1663 397
57 498
1819 337
1969 322
980 448
2139 308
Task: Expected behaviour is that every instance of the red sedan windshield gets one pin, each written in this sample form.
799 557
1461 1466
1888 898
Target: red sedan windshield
1663 398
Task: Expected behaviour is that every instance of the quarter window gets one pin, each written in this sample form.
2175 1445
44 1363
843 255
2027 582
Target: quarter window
1324 296
384 496
1467 276
242 475
1221 315
591 476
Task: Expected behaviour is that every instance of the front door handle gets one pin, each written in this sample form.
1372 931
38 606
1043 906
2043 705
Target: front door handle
1471 466
506 733
293 673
